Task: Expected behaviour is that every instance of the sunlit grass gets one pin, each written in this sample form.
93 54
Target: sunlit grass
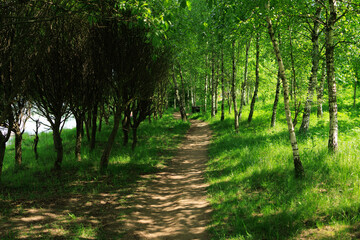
253 189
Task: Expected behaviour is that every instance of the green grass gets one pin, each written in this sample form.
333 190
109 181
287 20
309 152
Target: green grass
253 190
34 186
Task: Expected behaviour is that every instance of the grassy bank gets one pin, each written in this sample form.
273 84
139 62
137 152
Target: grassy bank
252 186
34 187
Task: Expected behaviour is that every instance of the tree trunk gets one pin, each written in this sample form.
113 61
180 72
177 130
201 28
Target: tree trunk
242 97
206 85
233 92
187 101
134 136
193 92
216 87
182 91
79 132
36 140
277 93
2 151
18 149
299 170
314 71
179 98
257 78
273 117
213 87
222 87
330 69
58 145
320 92
3 140
87 125
104 162
94 126
100 121
192 95
293 84
126 126
228 93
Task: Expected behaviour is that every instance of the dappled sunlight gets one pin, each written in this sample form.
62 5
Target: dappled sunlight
255 195
79 202
172 204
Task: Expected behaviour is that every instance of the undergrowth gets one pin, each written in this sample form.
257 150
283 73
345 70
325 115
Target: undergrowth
253 190
34 185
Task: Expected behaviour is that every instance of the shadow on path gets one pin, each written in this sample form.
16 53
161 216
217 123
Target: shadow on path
172 205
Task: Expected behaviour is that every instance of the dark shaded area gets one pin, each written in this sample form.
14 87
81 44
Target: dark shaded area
79 200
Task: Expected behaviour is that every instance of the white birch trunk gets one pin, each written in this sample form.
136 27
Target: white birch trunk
299 170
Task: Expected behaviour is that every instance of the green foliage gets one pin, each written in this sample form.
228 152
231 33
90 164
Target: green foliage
35 187
252 188
156 142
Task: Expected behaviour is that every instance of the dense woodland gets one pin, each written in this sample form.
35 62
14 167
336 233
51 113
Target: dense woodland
253 67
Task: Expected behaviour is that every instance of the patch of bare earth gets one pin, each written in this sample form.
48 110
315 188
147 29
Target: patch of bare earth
331 232
87 217
173 204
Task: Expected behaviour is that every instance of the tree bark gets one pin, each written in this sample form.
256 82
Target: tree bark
182 94
330 69
242 97
213 87
222 87
179 98
257 78
3 140
87 125
100 121
293 84
79 132
216 87
228 93
299 170
134 137
104 162
94 127
36 140
126 126
206 85
18 149
58 145
314 71
320 92
277 93
276 100
2 152
233 92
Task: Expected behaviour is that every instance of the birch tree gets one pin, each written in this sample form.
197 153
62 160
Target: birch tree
315 55
299 170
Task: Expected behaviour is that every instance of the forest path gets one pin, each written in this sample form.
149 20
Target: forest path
173 204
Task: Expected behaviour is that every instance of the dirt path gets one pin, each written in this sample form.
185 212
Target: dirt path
173 205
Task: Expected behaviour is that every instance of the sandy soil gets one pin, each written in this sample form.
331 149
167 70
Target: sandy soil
173 205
